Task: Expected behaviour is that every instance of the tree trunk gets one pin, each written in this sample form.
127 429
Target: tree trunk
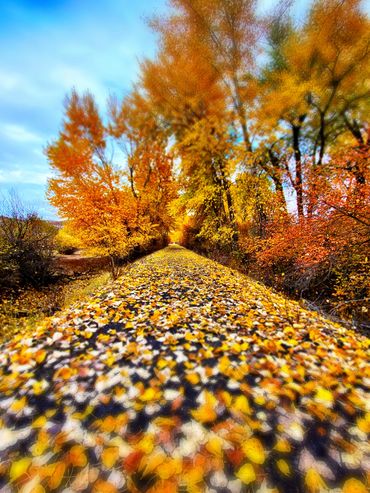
274 175
298 182
114 268
229 200
239 107
322 138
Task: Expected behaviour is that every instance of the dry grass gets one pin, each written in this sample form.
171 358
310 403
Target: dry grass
81 288
22 310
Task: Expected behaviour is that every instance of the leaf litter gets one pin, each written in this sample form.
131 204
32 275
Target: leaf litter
184 375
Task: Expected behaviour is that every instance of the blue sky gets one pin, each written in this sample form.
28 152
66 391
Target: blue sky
46 48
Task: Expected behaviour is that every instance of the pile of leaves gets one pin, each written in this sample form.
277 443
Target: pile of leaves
184 375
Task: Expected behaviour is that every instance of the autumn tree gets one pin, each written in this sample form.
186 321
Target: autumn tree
206 155
314 90
252 130
138 132
186 90
95 194
226 32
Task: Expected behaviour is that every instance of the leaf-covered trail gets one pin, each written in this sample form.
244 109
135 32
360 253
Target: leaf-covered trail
185 376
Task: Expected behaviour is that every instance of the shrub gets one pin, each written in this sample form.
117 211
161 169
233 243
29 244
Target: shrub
26 246
66 242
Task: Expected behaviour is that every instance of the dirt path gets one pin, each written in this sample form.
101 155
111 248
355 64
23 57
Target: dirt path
185 376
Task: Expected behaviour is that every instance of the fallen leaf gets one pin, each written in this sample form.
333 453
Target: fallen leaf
254 451
246 474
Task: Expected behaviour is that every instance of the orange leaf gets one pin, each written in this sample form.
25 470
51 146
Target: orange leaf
150 463
110 456
206 413
169 468
57 475
353 485
76 456
104 487
235 456
132 461
40 355
64 373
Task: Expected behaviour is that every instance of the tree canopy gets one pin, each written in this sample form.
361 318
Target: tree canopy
250 131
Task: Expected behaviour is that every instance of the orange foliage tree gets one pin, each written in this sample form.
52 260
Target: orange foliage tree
185 88
326 254
113 209
290 127
314 90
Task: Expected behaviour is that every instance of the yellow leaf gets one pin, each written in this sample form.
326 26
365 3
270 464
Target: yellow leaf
110 456
314 481
324 395
364 423
253 449
353 485
38 488
38 448
164 421
38 388
19 467
18 405
260 400
194 476
246 474
149 464
282 445
146 444
193 378
169 468
110 360
241 404
162 363
283 467
226 398
214 446
148 395
224 364
39 422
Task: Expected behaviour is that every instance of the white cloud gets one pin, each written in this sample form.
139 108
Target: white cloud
21 175
88 45
67 76
19 133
